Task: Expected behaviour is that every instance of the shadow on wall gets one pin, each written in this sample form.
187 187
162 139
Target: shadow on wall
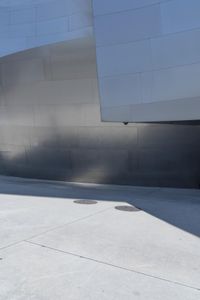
52 128
103 155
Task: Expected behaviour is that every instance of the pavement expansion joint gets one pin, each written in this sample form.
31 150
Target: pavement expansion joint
55 228
114 266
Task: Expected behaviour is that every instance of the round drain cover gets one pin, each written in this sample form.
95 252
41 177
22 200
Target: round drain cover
85 202
127 208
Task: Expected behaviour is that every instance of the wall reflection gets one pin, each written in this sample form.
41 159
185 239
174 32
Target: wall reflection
50 126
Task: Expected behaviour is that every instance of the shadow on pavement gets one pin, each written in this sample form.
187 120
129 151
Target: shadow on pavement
178 207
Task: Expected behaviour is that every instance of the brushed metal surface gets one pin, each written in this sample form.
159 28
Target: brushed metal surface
26 24
148 59
50 126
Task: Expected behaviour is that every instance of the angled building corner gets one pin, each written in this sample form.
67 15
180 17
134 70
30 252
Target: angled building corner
54 65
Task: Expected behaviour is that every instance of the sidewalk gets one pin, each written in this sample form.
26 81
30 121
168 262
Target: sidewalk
54 249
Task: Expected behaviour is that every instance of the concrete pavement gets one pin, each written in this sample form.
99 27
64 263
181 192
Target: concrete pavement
52 248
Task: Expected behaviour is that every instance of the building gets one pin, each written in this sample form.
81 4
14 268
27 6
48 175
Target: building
67 66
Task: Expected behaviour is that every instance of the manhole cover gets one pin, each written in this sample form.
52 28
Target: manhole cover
127 208
85 202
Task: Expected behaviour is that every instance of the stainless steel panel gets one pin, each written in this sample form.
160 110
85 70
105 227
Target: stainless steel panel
42 138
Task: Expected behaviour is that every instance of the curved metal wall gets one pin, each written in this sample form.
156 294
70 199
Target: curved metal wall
50 126
148 54
26 24
50 123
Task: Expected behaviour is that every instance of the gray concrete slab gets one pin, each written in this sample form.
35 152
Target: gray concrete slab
136 241
24 216
52 248
45 274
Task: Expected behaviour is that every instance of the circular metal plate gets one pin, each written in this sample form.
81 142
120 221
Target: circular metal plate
85 202
127 208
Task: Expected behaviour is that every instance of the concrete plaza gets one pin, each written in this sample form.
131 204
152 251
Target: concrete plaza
54 249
